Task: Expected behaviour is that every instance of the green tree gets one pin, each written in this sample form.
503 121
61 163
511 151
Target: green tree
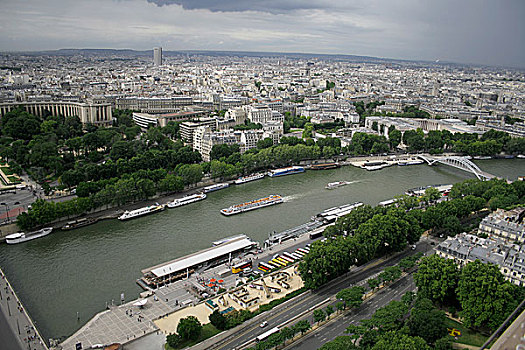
373 283
443 344
302 326
190 173
394 138
426 321
319 315
397 340
437 279
340 343
265 143
485 297
308 131
352 297
218 320
174 340
189 328
329 310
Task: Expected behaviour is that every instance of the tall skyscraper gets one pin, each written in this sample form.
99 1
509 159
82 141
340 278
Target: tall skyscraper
157 56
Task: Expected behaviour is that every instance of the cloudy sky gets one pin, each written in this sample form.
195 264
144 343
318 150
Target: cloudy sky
474 31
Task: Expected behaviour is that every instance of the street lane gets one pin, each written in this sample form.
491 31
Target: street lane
305 302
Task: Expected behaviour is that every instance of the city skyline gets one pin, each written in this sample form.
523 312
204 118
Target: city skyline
485 32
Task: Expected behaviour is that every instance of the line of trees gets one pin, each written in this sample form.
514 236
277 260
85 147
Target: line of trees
370 232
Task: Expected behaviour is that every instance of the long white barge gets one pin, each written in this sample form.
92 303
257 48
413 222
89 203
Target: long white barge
253 177
141 212
192 198
252 205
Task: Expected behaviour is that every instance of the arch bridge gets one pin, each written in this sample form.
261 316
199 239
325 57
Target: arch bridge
459 163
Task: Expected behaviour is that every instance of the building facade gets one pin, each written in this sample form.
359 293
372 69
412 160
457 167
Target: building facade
90 112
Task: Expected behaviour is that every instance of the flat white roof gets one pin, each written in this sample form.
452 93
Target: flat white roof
201 257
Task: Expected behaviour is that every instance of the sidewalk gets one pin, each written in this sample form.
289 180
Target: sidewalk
17 318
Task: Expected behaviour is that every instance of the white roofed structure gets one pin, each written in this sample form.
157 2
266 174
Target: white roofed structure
208 257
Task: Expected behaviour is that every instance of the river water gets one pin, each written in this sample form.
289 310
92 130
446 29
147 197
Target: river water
80 270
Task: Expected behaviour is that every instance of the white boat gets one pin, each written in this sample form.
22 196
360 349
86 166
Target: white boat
141 212
520 156
375 167
215 187
20 237
253 177
286 171
333 185
252 205
415 162
186 200
482 157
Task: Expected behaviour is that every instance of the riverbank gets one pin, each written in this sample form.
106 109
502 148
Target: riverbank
113 212
81 270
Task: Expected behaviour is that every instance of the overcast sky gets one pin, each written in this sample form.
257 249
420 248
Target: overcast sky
473 31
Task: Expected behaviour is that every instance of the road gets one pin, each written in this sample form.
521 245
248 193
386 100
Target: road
337 327
306 301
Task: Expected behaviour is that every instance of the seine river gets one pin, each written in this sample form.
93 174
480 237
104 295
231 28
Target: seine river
80 270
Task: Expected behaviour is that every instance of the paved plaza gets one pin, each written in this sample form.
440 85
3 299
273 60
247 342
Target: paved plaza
126 323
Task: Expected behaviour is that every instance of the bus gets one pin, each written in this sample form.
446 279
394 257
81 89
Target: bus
285 258
284 261
289 256
241 266
277 262
265 267
266 334
297 256
299 253
304 251
273 265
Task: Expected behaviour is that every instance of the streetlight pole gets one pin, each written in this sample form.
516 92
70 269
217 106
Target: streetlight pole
6 211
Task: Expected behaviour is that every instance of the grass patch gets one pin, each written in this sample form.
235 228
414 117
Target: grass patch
6 170
468 336
208 331
13 179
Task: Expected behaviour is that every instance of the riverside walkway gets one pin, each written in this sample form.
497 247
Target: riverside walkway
19 330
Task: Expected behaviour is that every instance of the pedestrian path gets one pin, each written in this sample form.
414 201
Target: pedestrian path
17 317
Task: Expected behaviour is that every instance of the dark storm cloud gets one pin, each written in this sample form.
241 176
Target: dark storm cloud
475 31
270 6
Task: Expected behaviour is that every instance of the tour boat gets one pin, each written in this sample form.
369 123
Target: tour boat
141 212
253 177
186 200
252 205
20 237
333 185
215 187
286 171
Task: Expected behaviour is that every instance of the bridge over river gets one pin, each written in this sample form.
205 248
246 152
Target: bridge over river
458 162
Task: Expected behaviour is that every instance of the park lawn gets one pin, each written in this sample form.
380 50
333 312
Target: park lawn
208 331
468 336
6 170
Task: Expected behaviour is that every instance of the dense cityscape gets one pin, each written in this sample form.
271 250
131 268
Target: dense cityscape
254 199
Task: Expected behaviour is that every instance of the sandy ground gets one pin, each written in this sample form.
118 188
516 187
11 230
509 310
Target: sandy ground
169 324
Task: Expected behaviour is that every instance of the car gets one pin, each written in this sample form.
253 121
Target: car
413 247
264 324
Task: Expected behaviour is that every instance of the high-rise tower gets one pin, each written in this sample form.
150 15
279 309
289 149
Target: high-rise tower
157 56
